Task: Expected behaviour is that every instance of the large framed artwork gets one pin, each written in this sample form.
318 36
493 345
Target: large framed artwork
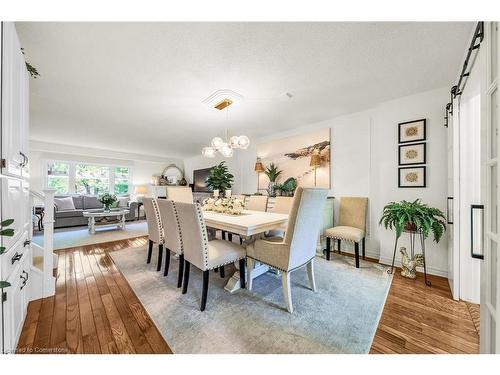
412 131
412 177
293 156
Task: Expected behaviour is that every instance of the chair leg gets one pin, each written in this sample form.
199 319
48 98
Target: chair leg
222 273
328 245
242 273
310 274
287 292
356 251
363 242
187 266
181 270
167 261
250 265
230 237
223 234
241 241
150 251
216 269
338 245
204 292
160 257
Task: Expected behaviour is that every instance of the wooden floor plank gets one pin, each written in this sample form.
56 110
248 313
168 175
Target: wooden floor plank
95 310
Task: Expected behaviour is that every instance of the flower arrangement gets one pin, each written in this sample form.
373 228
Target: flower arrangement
230 205
107 200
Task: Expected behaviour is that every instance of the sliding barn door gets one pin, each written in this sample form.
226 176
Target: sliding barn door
490 268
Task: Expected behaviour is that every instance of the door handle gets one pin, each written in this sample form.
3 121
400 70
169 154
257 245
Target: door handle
473 246
23 163
449 210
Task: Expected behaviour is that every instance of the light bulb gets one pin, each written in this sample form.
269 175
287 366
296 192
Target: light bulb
217 142
233 141
226 150
243 142
208 152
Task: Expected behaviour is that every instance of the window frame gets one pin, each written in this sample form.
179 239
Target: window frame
72 174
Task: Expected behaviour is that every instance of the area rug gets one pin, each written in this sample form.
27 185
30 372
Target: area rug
80 236
341 317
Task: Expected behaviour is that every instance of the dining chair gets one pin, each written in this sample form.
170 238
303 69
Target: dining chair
180 194
298 248
203 254
282 205
155 229
172 236
230 235
352 225
256 203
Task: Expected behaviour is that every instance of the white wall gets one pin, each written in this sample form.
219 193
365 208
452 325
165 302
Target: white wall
143 166
365 163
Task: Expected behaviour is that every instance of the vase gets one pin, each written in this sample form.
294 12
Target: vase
107 208
270 189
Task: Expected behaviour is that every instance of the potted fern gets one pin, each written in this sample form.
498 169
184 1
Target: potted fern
219 178
414 217
272 172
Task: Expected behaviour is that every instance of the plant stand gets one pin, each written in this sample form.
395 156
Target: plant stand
413 235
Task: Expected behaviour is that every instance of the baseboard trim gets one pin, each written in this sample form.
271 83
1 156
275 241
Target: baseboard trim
430 270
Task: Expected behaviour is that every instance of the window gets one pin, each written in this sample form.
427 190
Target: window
89 179
121 180
58 177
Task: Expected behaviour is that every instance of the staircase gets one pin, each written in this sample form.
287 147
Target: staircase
44 259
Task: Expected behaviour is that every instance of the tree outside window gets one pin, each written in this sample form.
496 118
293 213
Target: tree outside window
58 177
91 179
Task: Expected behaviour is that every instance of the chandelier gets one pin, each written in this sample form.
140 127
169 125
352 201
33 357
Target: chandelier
226 146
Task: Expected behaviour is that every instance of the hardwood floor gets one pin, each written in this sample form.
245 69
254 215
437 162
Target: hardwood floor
420 319
94 310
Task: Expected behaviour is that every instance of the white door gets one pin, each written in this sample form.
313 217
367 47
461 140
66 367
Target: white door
490 268
453 203
13 89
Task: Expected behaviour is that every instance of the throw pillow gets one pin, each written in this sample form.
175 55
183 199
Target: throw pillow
64 203
123 202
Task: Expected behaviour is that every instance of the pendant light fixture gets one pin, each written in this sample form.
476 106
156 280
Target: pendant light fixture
227 145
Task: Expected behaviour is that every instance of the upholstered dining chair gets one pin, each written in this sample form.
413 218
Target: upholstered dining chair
155 229
203 254
352 225
256 203
172 236
180 194
298 248
282 205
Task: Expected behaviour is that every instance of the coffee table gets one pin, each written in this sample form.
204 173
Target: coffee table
101 218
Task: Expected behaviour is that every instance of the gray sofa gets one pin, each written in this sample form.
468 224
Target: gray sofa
72 218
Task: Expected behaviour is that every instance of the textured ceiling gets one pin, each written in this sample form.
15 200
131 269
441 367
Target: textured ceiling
139 87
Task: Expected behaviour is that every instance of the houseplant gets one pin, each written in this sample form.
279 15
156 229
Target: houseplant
287 188
219 178
414 216
272 172
107 200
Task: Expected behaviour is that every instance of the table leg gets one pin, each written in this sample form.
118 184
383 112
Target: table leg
123 220
92 225
233 284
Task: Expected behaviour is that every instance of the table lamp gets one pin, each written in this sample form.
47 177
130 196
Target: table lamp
315 163
140 191
258 168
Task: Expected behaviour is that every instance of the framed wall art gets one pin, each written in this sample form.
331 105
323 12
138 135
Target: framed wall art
412 177
412 154
412 131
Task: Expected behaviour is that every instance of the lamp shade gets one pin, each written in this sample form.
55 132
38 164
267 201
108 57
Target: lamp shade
141 189
258 166
315 160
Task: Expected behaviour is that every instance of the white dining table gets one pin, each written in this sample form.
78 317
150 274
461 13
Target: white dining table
248 224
